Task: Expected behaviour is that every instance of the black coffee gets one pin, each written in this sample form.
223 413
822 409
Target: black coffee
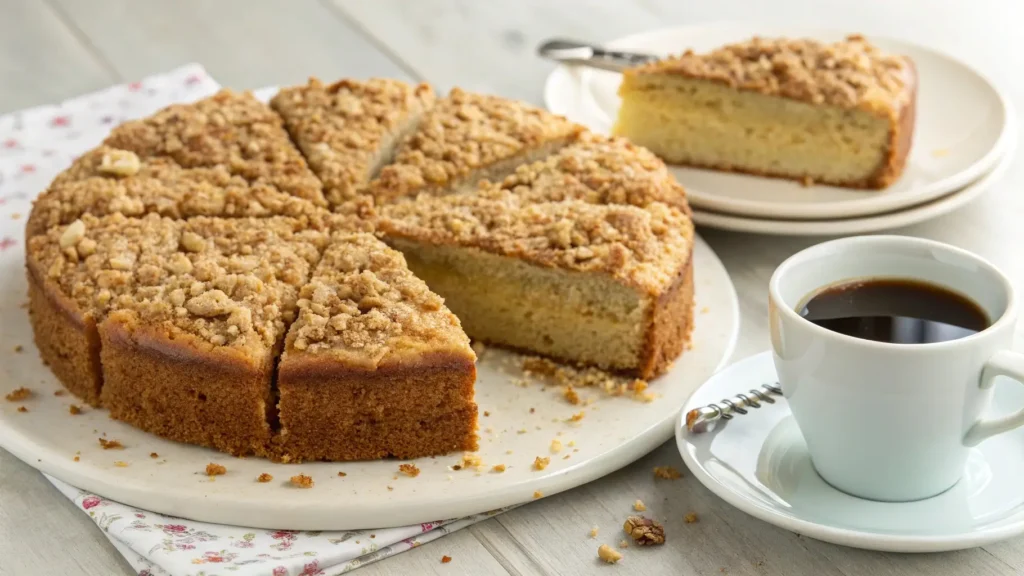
898 311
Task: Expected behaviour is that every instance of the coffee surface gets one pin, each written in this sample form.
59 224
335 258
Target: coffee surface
895 310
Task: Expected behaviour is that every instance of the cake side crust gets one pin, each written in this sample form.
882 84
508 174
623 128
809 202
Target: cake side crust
670 325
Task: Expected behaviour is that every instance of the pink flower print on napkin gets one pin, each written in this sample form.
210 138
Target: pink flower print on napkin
6 243
60 121
280 571
311 569
89 501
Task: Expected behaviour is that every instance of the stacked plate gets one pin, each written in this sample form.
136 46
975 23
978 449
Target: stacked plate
963 142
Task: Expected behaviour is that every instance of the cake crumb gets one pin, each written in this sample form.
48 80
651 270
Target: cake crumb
499 468
16 216
486 413
479 348
59 392
644 531
608 554
342 474
18 349
532 410
409 470
120 464
556 446
705 310
667 473
572 443
690 518
940 152
470 459
19 394
540 463
301 481
566 457
807 182
570 395
76 458
639 506
390 489
215 469
74 409
577 416
154 455
110 444
22 409
538 494
264 478
508 452
521 431
446 559
593 532
623 544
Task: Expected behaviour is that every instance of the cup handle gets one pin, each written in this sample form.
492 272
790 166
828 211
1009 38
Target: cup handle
1002 363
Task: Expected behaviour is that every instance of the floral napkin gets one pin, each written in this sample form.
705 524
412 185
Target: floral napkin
35 145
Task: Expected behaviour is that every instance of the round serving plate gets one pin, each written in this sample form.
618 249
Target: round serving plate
519 419
964 123
863 225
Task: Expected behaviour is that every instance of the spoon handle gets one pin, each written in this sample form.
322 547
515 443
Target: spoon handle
573 52
705 418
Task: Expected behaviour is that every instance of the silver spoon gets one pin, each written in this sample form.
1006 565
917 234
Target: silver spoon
573 52
705 419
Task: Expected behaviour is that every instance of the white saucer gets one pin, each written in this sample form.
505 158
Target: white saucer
963 125
759 463
862 225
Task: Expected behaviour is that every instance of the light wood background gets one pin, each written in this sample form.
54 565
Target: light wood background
54 49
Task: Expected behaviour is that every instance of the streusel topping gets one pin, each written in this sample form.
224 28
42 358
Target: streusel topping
849 73
597 170
347 129
365 305
231 130
463 133
643 247
97 185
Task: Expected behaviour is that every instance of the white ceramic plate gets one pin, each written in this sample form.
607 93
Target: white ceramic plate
759 463
517 424
963 124
863 225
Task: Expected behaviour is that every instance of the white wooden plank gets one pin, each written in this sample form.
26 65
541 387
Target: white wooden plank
467 554
41 60
242 44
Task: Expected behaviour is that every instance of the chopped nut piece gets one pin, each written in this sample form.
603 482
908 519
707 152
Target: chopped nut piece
154 455
538 494
667 473
690 517
608 554
215 469
498 468
22 409
623 544
74 409
120 163
110 444
264 478
639 506
556 446
76 458
73 234
486 413
19 348
446 559
342 474
644 531
59 392
409 470
19 394
593 532
570 395
301 481
540 463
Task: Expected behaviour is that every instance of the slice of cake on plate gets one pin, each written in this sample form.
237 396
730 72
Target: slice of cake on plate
466 138
374 365
348 130
604 285
839 113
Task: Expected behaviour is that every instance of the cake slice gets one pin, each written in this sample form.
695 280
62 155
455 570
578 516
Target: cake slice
77 274
374 365
604 285
110 180
467 138
838 113
230 130
348 130
189 354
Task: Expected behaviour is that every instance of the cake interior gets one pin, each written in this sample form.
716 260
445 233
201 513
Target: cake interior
509 302
704 123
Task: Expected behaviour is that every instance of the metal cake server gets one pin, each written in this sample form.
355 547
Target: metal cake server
574 52
705 419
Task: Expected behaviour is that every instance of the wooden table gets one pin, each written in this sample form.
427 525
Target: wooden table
54 49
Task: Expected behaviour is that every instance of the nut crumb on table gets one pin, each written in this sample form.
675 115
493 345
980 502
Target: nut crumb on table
154 455
76 458
639 506
74 409
690 517
110 444
623 544
608 554
264 478
301 481
342 474
19 348
541 462
22 409
498 468
446 559
593 532
556 446
19 394
644 531
59 392
577 416
409 470
213 469
667 472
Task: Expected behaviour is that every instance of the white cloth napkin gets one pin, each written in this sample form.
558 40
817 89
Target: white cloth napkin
35 145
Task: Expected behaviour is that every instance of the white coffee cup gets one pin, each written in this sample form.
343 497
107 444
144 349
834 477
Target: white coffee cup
888 421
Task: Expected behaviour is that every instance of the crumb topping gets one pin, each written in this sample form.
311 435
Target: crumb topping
74 409
364 304
463 133
644 531
541 462
19 394
346 129
110 444
409 470
263 478
690 517
667 473
215 469
301 481
850 73
642 247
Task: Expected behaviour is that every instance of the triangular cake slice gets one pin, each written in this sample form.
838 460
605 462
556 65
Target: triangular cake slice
604 285
596 170
467 138
231 130
348 130
374 365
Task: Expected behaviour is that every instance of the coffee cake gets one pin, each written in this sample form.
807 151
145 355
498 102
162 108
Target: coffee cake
839 113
